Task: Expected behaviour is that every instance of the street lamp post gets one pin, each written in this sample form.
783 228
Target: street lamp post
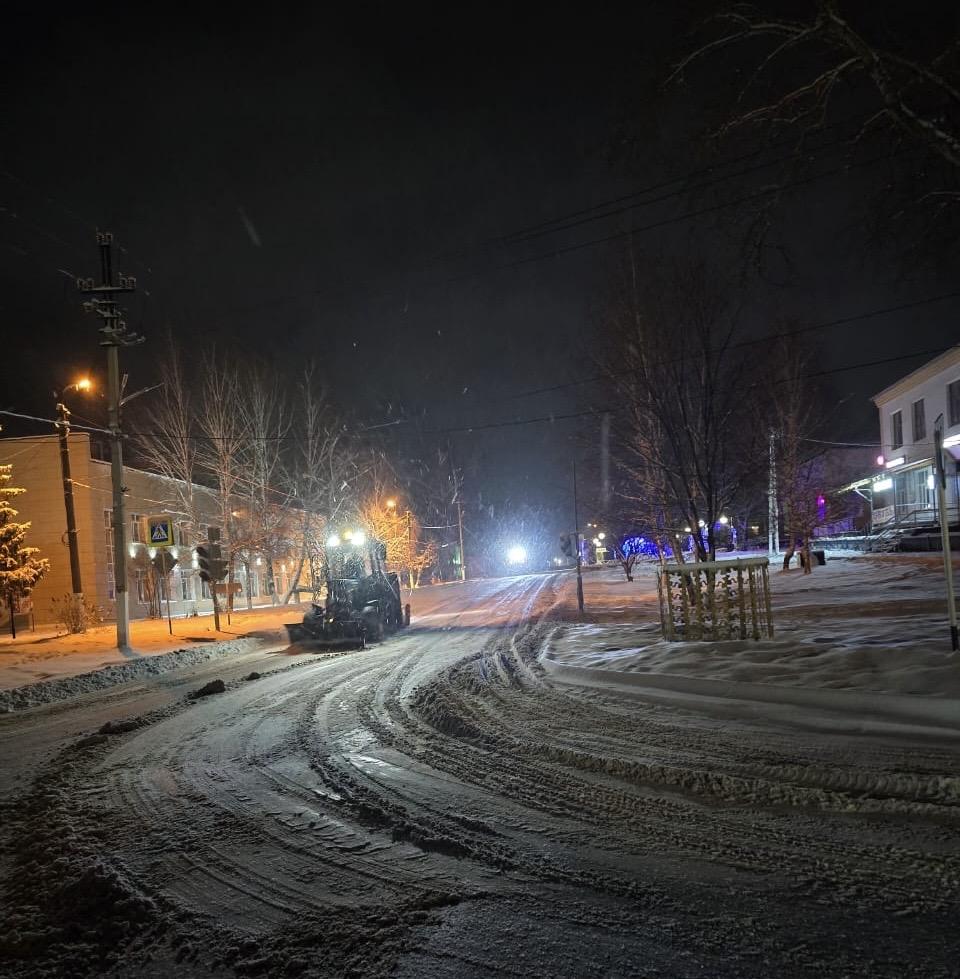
63 432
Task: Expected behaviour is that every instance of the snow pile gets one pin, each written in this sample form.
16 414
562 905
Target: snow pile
63 688
872 661
861 624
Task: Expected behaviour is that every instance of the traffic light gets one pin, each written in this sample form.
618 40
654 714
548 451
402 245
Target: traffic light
212 566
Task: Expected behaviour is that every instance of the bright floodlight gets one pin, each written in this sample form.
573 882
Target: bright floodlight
724 521
333 541
602 535
516 555
359 538
84 384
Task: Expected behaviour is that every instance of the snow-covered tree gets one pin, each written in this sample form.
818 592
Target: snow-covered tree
20 568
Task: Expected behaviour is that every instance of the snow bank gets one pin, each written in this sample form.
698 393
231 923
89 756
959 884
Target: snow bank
866 624
47 691
867 661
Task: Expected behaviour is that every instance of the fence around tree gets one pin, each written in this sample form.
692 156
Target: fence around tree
716 600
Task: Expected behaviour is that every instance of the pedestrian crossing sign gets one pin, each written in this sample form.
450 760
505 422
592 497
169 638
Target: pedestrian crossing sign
160 531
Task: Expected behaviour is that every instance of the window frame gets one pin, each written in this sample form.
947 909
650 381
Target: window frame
896 430
953 403
918 416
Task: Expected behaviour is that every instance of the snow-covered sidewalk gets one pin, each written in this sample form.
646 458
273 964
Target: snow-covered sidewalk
871 628
41 657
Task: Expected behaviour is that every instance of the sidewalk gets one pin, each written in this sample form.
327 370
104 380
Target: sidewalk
45 655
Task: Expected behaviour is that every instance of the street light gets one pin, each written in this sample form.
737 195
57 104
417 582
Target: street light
62 425
517 554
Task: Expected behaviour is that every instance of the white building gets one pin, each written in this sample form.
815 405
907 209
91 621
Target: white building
903 487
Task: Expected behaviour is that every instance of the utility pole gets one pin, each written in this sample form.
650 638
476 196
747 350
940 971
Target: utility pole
773 512
463 560
63 432
576 530
941 479
410 548
115 335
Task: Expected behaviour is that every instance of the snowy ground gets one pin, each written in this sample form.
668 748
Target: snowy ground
441 806
51 655
862 623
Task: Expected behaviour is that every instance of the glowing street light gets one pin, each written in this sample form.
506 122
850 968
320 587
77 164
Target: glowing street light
724 521
391 504
333 541
358 539
516 554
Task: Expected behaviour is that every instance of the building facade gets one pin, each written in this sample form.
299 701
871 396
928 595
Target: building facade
903 488
36 468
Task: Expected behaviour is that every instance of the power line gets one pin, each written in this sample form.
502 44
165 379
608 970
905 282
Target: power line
615 409
520 233
746 199
530 235
511 423
810 328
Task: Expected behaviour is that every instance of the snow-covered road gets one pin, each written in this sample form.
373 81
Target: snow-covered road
437 806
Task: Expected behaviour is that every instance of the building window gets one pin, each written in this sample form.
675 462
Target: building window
135 537
953 403
143 588
896 430
919 422
184 587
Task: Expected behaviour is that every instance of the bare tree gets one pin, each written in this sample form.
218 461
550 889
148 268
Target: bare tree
169 443
687 438
261 524
224 443
322 471
877 76
918 95
807 472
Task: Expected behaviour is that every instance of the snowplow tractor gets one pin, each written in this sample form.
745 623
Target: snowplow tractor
359 607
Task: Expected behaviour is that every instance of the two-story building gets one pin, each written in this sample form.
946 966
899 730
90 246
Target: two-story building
903 487
37 469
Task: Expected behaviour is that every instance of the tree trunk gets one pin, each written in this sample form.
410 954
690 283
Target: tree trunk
246 568
13 623
295 579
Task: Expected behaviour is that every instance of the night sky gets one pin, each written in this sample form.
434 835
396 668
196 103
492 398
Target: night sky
295 186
